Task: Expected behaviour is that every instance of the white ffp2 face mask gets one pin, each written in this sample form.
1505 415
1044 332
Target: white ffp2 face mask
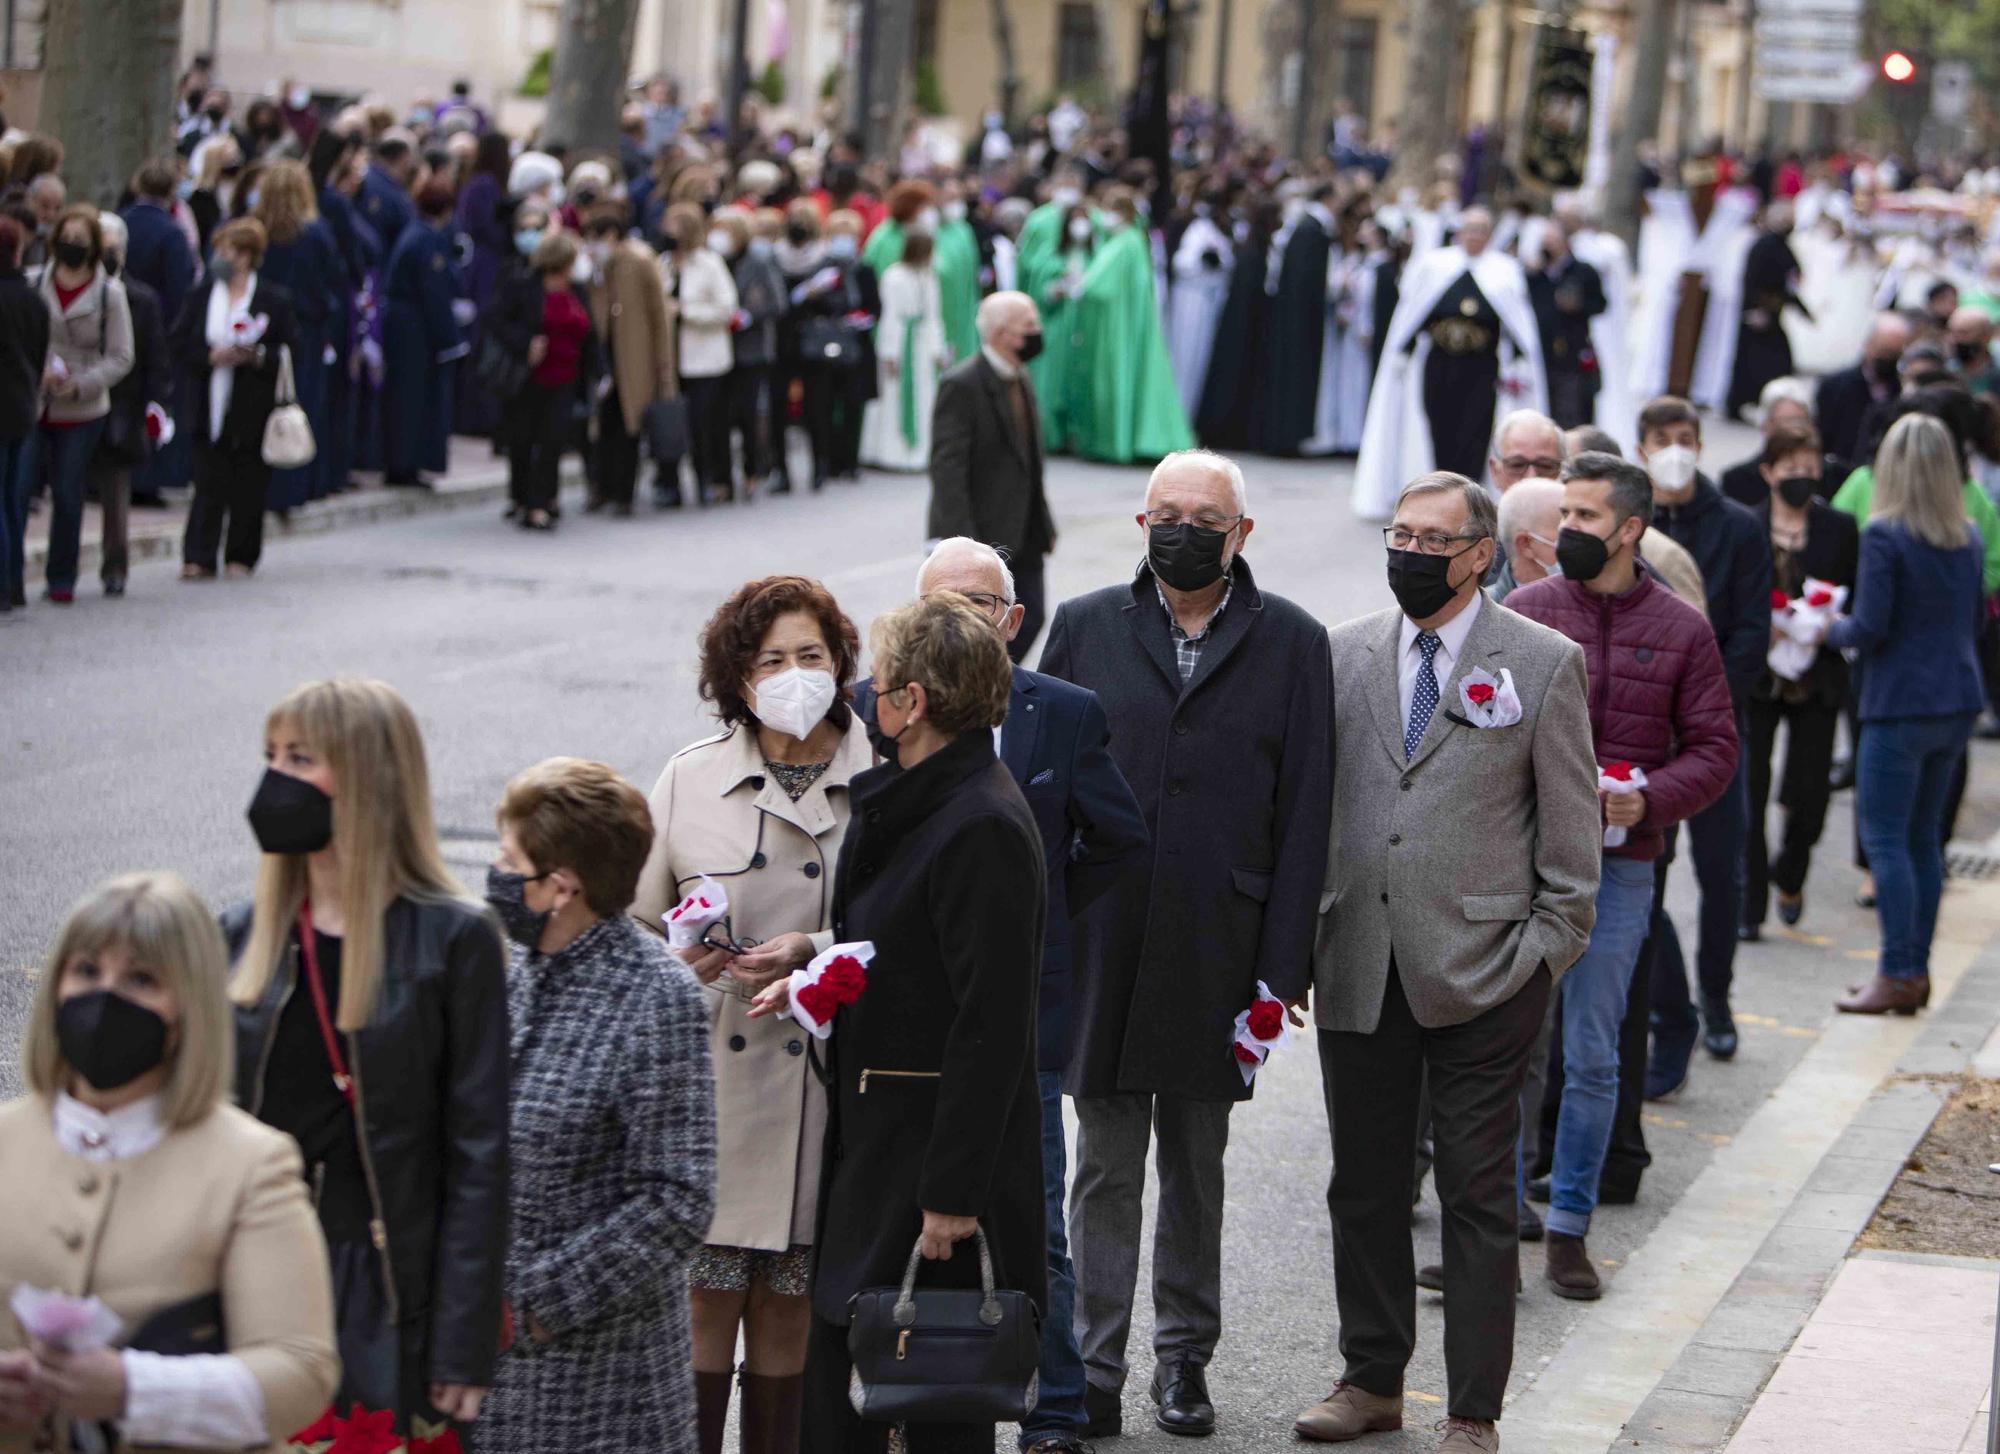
795 701
1672 468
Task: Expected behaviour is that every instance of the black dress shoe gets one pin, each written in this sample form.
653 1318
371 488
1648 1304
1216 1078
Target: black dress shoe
1538 1189
1749 933
1180 1388
1841 777
1790 911
1103 1412
1718 1029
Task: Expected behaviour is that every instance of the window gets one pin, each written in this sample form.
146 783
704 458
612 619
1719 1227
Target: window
1357 64
1078 45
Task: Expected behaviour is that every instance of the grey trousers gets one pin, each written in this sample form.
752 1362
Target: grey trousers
1104 1224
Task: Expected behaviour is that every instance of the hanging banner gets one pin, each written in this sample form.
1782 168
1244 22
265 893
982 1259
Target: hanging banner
1556 141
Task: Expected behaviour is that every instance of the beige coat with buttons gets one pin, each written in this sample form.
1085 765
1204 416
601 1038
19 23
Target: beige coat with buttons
770 1111
218 1207
638 322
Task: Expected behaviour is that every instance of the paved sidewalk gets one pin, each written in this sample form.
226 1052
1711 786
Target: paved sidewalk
1898 1356
474 477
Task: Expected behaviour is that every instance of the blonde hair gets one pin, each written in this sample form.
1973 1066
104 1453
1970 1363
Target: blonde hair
555 253
1919 481
163 924
382 829
285 202
944 643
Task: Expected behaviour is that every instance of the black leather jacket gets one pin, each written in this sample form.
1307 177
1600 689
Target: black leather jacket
431 1088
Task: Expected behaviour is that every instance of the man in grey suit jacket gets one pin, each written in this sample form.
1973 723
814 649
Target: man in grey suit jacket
1460 885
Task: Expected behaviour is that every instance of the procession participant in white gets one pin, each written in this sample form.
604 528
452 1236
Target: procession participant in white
1202 266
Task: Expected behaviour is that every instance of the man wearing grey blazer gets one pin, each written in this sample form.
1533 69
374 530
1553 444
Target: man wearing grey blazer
1460 886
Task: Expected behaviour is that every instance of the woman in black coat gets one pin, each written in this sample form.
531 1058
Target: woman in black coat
935 1123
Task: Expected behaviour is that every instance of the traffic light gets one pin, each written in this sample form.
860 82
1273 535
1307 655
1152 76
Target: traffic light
1899 68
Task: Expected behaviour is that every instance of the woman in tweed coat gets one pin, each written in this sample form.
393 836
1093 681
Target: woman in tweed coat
613 1131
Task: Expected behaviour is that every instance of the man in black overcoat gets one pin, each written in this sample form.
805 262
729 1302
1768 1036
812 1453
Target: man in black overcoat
1219 699
1289 377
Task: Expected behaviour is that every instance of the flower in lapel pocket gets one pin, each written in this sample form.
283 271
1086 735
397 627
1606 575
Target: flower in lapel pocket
1489 701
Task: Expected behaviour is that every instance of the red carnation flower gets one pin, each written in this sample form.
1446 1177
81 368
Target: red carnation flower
818 1001
320 1431
1479 693
1267 1018
445 1441
1820 597
1245 1054
844 979
1617 771
368 1431
1780 601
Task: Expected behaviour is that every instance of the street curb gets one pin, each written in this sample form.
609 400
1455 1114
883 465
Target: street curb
484 486
1697 1405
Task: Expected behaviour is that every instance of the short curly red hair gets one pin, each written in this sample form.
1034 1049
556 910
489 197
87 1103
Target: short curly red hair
735 633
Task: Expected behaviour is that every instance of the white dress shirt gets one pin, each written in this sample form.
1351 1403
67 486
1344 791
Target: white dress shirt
196 1400
998 364
1410 661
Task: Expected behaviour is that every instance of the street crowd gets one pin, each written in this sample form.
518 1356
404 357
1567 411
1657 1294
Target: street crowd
776 1058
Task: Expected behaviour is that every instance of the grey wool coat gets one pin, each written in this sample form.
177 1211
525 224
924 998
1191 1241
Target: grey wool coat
1234 774
1475 861
613 1173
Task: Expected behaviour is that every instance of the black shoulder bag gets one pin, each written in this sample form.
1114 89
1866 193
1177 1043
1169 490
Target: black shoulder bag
948 1356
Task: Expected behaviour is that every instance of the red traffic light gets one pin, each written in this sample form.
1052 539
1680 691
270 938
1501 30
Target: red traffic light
1898 67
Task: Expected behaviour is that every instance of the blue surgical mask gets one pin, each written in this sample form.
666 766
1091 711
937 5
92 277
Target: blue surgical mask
185 187
840 248
527 240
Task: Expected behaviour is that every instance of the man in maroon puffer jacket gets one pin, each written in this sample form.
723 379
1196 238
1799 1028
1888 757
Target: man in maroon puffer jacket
1659 703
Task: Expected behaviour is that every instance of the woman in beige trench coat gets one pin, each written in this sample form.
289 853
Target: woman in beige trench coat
760 808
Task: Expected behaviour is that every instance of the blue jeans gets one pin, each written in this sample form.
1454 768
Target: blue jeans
13 501
64 454
1902 779
1059 1410
1593 1008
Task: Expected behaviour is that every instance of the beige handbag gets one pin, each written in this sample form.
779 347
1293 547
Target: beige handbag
288 436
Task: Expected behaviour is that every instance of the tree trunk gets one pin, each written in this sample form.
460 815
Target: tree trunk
1424 132
1639 117
889 28
587 86
1010 79
1321 86
108 89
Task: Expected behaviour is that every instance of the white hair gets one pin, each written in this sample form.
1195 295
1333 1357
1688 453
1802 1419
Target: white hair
965 545
1532 502
1220 464
1789 390
532 171
995 310
1528 419
114 232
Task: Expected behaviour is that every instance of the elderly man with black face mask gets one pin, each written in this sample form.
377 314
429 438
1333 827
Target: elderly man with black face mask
1217 695
1846 399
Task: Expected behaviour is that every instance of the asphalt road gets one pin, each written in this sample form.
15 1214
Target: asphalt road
132 738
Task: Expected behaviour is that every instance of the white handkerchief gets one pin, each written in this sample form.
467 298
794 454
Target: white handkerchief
1634 781
689 919
834 978
75 1324
1489 701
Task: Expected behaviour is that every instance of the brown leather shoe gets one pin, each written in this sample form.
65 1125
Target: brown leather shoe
1469 1436
1569 1271
1883 996
1348 1413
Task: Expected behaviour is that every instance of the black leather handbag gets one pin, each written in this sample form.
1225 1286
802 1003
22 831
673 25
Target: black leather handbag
831 343
666 424
500 371
944 1356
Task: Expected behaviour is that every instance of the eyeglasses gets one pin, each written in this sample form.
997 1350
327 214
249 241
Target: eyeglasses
991 604
1202 520
718 936
1520 464
1424 542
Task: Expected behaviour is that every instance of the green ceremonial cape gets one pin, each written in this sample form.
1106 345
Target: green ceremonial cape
1123 404
957 266
884 246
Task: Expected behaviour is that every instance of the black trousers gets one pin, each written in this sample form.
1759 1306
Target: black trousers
230 482
1803 791
750 415
539 432
708 423
617 453
1373 1083
829 1425
1626 1162
1459 391
1031 591
1572 396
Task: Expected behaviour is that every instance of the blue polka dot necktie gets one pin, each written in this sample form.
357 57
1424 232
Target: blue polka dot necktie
1423 700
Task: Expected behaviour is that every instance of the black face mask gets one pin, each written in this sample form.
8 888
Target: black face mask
109 1040
1970 355
1883 370
290 815
72 254
1797 490
670 244
216 113
1421 583
1186 556
885 745
1031 347
507 893
1581 555
799 236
